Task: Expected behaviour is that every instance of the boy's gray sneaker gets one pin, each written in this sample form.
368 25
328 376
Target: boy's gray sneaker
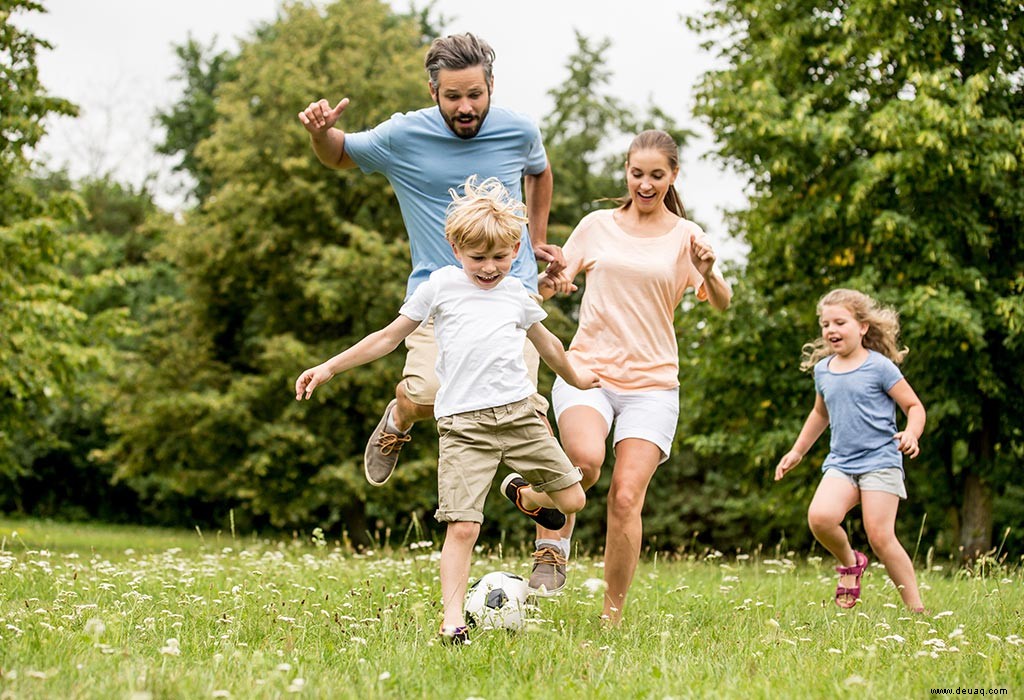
382 450
548 577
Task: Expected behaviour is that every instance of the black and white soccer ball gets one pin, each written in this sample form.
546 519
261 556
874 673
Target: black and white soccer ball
497 601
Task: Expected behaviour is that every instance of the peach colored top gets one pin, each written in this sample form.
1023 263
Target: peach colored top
633 285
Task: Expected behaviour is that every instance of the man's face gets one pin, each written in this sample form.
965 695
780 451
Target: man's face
464 97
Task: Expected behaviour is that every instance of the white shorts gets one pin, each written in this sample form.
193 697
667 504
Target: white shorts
647 415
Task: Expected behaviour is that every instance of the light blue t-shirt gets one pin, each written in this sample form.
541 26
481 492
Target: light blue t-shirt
423 159
862 415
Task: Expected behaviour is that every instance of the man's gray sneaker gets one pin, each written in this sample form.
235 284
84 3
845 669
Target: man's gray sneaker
548 577
382 450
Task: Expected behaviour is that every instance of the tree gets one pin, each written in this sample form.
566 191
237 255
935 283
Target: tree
41 342
883 149
114 277
190 120
284 263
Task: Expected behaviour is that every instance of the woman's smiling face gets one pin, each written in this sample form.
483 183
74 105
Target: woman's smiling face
648 177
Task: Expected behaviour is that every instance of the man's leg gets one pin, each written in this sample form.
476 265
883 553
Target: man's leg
414 401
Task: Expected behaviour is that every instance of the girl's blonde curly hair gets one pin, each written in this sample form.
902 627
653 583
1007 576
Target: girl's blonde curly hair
883 327
485 216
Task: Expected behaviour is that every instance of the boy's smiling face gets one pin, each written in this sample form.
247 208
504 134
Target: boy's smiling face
486 267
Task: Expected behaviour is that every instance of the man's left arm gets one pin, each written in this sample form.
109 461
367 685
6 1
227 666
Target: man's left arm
538 189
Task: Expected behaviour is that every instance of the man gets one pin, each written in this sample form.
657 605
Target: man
424 154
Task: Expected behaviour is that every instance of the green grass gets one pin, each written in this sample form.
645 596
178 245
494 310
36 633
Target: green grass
90 612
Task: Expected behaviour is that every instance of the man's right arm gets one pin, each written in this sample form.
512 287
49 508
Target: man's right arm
328 142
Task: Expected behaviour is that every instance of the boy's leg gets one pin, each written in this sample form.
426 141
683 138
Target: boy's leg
414 401
878 509
468 459
456 557
569 500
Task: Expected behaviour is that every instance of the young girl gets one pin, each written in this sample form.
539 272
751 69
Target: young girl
639 258
858 386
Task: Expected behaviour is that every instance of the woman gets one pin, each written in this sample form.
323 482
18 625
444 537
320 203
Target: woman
639 260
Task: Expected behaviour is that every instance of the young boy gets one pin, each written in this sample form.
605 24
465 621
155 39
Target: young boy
482 317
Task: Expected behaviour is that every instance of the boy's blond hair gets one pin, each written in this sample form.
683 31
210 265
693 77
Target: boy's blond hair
486 216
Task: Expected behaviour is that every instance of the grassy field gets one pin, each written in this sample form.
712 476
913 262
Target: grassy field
90 611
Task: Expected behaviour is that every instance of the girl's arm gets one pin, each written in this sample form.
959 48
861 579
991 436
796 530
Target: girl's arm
814 426
552 351
902 393
372 347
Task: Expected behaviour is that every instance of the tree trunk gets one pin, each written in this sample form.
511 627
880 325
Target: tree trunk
975 518
357 526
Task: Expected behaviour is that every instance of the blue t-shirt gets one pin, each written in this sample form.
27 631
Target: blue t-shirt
423 159
862 415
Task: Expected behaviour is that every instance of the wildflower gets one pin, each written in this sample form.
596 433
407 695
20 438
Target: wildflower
384 676
94 627
171 648
221 694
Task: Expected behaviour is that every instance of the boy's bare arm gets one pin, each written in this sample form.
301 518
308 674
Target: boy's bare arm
372 347
552 352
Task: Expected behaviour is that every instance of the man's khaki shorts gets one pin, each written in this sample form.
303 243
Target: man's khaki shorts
420 377
474 443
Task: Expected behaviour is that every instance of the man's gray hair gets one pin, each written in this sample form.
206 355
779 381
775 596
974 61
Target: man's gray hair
456 52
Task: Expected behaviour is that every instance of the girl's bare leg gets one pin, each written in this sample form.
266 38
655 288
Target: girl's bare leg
879 512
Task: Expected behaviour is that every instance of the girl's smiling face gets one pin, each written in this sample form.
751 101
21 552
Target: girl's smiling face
648 177
843 333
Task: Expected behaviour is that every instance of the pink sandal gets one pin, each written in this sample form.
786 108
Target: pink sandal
855 570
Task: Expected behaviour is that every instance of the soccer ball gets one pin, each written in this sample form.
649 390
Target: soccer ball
497 601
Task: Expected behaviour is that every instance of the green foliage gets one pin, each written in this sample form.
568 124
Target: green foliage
190 120
111 277
883 149
284 264
24 105
42 344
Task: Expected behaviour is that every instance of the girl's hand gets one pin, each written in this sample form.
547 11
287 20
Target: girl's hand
310 380
907 443
788 461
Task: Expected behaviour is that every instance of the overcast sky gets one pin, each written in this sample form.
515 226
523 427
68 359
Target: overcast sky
115 60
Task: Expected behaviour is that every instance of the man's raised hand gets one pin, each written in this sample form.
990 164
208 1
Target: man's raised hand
319 116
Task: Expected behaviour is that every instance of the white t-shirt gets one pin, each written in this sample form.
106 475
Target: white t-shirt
480 335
